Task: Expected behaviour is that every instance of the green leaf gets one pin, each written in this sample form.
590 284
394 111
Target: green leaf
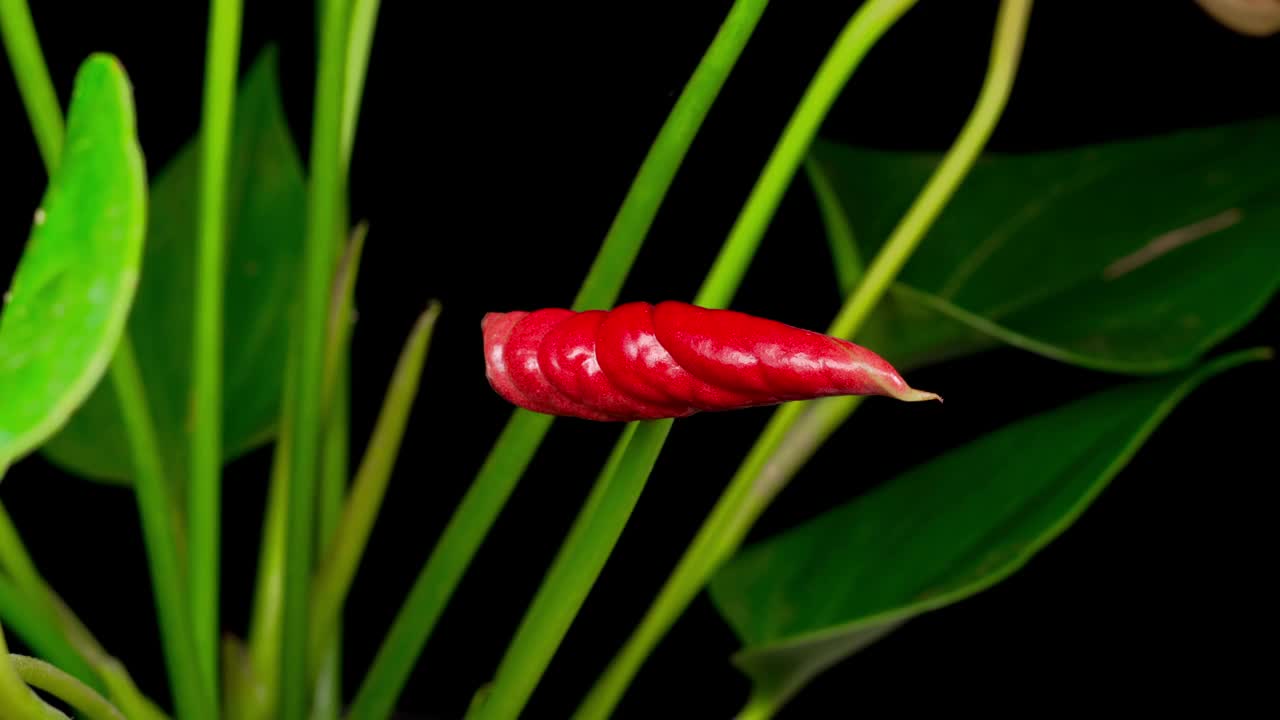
266 224
70 297
1134 256
939 533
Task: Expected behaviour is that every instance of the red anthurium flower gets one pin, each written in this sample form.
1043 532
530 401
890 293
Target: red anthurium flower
646 362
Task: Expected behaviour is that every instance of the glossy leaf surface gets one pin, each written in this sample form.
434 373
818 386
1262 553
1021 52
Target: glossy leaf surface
66 309
266 195
939 533
1134 256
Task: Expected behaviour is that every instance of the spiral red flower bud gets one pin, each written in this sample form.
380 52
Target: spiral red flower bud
646 362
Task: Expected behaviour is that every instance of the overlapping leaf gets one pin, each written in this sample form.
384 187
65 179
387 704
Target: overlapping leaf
66 310
266 222
1134 256
947 529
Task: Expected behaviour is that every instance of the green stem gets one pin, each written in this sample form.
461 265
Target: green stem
15 560
378 691
758 707
758 480
364 17
53 630
205 497
42 675
333 579
844 247
327 702
265 622
576 567
46 119
871 21
17 701
32 623
323 197
191 696
524 432
27 60
653 180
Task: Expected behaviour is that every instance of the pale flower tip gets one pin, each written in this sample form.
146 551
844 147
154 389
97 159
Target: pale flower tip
913 395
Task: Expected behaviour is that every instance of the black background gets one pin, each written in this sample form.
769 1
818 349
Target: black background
495 144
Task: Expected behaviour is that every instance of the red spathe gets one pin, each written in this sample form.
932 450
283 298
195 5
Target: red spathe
646 362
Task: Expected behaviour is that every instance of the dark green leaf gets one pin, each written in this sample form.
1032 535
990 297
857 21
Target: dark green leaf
267 196
937 534
1133 256
66 310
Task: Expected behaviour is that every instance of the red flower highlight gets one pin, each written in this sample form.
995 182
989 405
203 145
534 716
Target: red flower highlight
670 360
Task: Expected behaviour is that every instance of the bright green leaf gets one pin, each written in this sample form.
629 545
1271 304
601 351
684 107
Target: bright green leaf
266 223
939 533
70 297
1133 256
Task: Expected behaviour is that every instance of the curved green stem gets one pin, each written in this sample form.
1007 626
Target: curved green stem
523 434
17 701
205 497
42 675
46 119
32 623
768 465
193 698
29 69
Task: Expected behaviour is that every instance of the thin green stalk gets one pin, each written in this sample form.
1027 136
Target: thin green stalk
17 701
38 94
364 18
758 707
650 186
32 623
53 630
792 441
871 21
341 308
222 61
265 623
756 481
327 701
45 113
42 675
14 559
333 579
324 195
575 569
376 696
864 29
523 434
193 698
844 247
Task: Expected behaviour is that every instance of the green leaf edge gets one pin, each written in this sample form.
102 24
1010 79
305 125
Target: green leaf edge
1193 380
79 390
267 61
832 211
